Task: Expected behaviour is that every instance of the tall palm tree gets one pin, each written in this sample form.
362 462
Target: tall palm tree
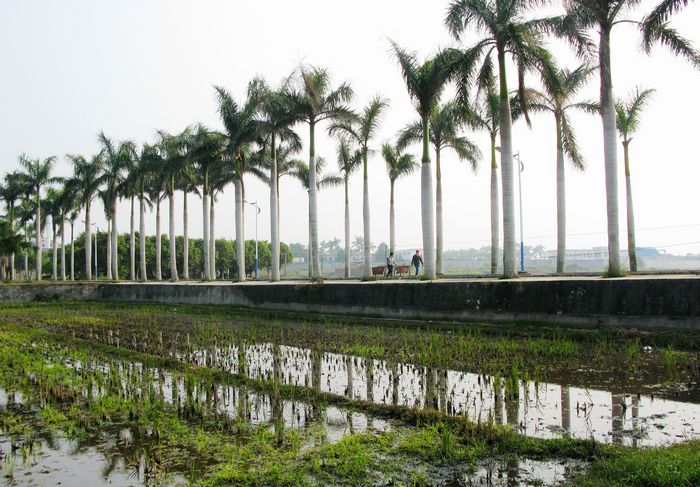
361 130
116 160
602 15
506 29
302 174
446 121
175 161
348 161
560 86
11 193
425 83
86 181
37 174
275 121
242 130
141 171
398 164
314 101
628 118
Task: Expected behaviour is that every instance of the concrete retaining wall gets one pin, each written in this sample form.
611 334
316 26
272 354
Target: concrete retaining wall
654 302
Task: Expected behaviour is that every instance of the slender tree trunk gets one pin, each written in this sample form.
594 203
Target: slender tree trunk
509 246
88 241
26 255
308 250
365 220
205 229
313 205
185 239
610 151
54 251
427 206
631 240
438 216
109 249
63 247
212 238
159 253
274 221
72 252
171 232
38 235
347 229
240 242
495 208
12 256
142 237
132 243
561 199
115 241
392 218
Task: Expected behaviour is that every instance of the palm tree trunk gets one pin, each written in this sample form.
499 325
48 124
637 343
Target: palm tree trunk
38 235
506 169
212 238
109 249
142 236
88 242
392 219
54 251
185 239
367 273
438 215
72 252
159 253
274 222
240 243
171 233
308 250
631 239
427 206
347 229
205 229
610 151
132 243
115 241
561 199
313 206
495 213
63 247
26 255
12 256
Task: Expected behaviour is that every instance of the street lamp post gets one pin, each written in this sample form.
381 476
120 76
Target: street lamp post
255 204
521 168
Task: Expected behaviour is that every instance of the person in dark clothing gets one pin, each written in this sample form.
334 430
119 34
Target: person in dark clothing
417 260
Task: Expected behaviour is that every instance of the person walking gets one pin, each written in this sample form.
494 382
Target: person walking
390 264
417 261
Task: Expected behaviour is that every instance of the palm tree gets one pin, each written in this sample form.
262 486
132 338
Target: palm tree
425 83
106 196
560 87
603 15
506 29
11 192
37 174
242 130
174 163
628 117
139 175
302 174
116 160
204 149
361 130
445 124
313 102
156 185
68 202
86 180
398 164
348 161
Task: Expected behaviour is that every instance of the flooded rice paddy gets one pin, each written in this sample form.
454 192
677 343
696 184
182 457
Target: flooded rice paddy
136 395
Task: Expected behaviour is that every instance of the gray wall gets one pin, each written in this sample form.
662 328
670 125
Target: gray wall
652 302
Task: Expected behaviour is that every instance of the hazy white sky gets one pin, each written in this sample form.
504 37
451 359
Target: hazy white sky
73 68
